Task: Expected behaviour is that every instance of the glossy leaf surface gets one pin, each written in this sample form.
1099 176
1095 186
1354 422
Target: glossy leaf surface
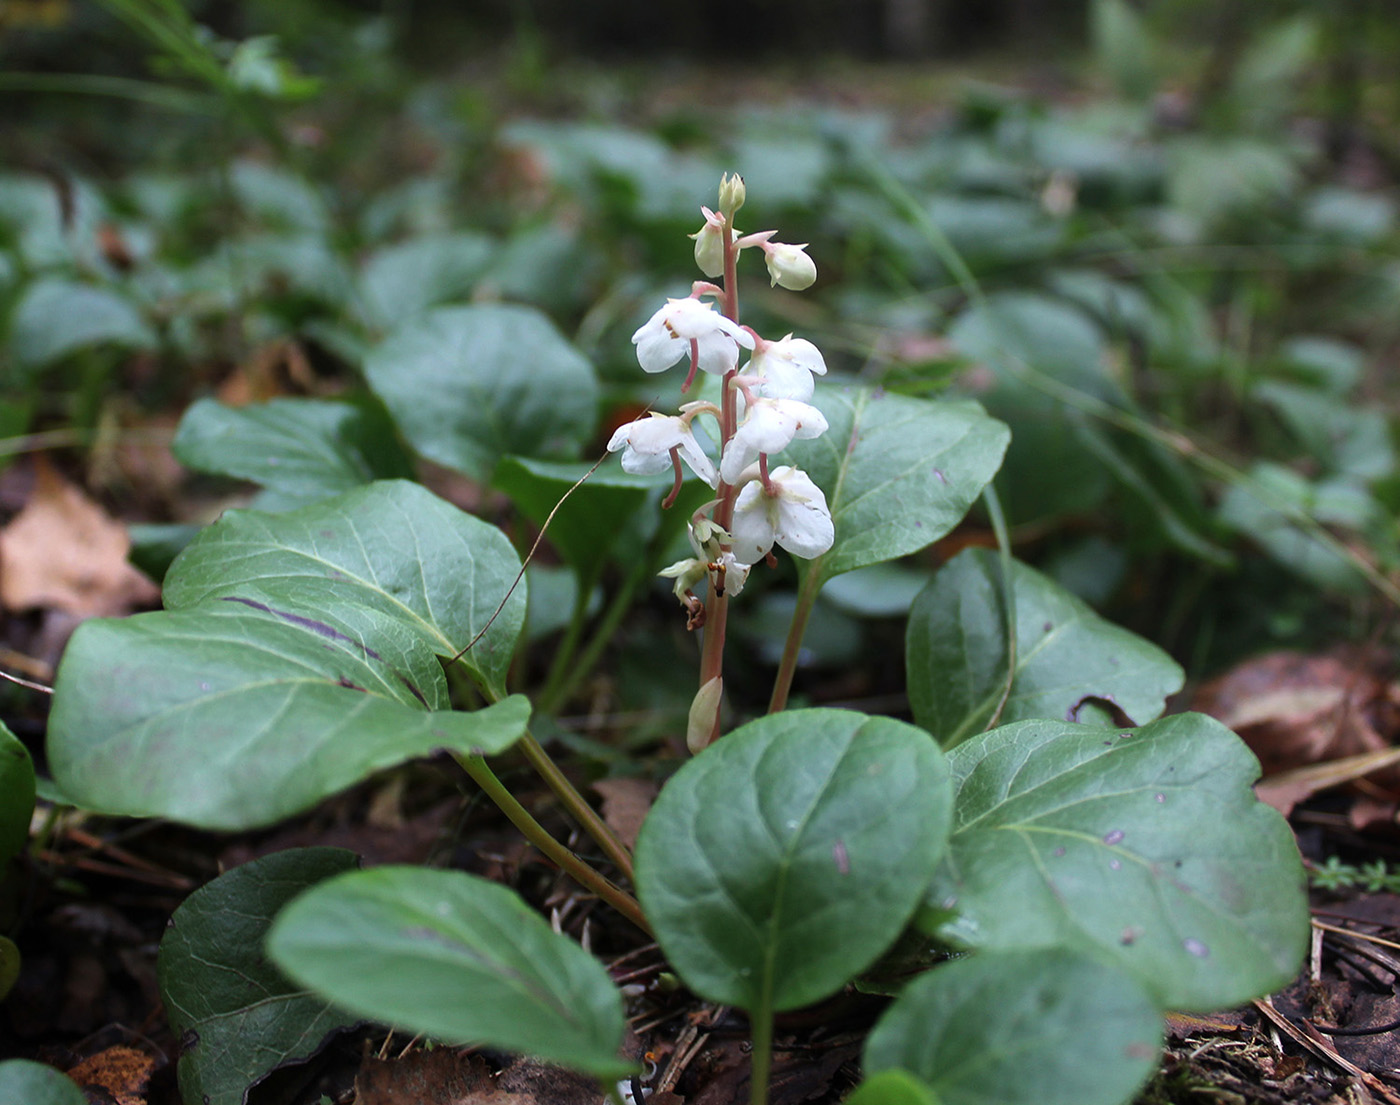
387 560
1070 663
469 385
898 473
455 957
302 449
229 717
788 855
1042 1027
237 1016
1146 848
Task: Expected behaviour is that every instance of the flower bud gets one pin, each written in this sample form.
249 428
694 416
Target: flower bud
731 194
709 248
789 266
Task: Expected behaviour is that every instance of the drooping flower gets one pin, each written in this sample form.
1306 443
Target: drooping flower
786 366
789 266
665 337
769 426
646 446
709 244
791 512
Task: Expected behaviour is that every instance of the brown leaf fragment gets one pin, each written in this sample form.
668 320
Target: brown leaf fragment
122 1073
626 803
64 552
448 1076
1294 710
443 1076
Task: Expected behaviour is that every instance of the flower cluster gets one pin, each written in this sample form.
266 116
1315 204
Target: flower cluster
764 408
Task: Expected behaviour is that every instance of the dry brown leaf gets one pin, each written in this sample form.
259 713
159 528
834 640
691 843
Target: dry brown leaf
123 1073
64 552
1294 710
445 1076
625 805
275 368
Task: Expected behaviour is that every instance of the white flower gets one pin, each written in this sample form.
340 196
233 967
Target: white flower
666 337
769 426
646 446
794 516
789 266
786 366
709 244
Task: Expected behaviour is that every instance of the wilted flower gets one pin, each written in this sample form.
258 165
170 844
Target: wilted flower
666 336
791 512
646 446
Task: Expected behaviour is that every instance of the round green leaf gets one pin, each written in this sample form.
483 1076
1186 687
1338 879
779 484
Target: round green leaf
1143 847
898 473
1042 1027
229 716
303 449
454 957
37 1084
893 1087
16 795
407 278
57 317
237 1016
1070 663
468 385
786 857
392 553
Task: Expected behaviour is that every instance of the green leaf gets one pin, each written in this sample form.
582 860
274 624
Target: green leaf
405 279
37 1084
16 795
455 957
1145 848
55 318
782 860
303 449
1123 47
898 473
1041 1027
893 1087
10 963
1070 663
228 716
468 385
390 558
237 1016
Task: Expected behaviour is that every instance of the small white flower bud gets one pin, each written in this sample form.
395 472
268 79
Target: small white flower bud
709 248
731 194
789 266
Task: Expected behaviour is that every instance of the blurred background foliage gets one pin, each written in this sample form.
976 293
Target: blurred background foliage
1159 240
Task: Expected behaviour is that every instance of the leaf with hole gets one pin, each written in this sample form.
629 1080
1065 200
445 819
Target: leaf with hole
1070 663
782 860
1042 1027
1145 848
237 1017
455 957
